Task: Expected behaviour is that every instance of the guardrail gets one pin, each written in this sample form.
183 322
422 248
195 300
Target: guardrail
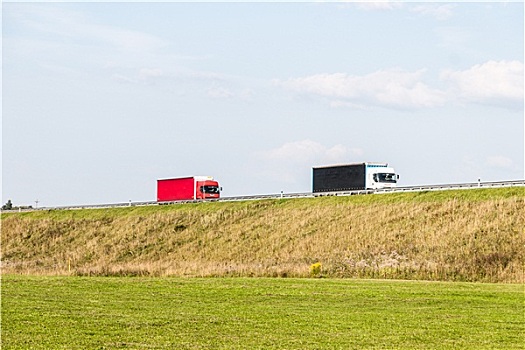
494 184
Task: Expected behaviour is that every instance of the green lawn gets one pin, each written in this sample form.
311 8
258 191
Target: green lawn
257 313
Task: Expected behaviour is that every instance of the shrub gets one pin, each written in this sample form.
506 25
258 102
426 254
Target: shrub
315 269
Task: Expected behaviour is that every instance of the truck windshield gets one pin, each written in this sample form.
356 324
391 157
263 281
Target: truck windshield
209 189
385 177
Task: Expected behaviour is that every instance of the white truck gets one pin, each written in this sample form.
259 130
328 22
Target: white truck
356 176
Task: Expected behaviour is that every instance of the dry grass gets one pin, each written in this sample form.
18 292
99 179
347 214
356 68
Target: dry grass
469 235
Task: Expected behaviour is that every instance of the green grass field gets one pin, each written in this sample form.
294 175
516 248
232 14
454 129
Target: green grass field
67 312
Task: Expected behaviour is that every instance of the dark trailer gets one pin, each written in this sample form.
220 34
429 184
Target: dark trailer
353 177
339 178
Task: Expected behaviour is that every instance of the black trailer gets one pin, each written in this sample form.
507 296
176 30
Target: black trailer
339 178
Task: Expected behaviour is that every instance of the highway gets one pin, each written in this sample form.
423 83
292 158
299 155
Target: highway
472 185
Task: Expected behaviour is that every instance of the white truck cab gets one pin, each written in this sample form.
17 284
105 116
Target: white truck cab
380 175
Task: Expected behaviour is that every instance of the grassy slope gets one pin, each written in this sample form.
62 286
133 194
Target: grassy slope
469 235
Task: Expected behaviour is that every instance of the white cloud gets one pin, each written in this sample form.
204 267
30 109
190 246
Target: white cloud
149 73
497 83
392 88
306 151
453 38
441 12
142 76
219 92
379 5
291 161
123 79
499 162
68 25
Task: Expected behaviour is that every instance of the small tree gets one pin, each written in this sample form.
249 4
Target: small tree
8 205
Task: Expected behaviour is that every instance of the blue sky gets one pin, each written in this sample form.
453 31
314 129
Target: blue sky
99 100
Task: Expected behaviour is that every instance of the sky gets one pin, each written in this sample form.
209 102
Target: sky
101 99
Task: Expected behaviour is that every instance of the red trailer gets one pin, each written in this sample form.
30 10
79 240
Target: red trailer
187 188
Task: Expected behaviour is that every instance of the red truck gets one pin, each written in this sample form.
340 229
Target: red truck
187 188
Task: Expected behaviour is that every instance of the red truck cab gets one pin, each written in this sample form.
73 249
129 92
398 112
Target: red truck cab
187 188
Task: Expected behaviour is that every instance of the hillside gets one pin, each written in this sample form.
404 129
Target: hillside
468 235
